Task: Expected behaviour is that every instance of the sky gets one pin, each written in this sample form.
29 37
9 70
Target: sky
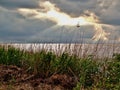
60 21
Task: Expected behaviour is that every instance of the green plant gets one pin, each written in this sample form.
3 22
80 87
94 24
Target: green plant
10 56
44 63
113 75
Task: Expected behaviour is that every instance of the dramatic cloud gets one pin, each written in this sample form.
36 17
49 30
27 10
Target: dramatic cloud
59 20
54 14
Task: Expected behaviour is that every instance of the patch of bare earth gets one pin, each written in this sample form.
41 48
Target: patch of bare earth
14 78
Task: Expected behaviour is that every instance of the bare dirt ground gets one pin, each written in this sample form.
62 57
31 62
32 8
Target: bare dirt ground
14 78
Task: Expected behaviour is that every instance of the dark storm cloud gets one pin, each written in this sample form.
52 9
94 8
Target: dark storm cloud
75 7
112 14
114 22
19 3
14 27
108 11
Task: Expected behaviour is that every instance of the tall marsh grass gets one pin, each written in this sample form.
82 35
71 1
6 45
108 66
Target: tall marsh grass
95 67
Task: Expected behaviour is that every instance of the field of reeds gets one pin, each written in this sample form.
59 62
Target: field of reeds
82 66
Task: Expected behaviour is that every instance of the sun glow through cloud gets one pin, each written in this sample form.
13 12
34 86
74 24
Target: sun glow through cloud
51 12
